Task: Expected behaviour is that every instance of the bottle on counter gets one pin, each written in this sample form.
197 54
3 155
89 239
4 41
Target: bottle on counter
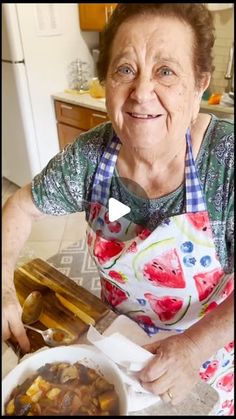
96 90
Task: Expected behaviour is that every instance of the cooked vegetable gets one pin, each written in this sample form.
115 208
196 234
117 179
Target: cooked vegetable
53 393
10 409
69 373
108 400
63 389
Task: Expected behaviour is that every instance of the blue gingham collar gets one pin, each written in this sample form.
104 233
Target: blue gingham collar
195 201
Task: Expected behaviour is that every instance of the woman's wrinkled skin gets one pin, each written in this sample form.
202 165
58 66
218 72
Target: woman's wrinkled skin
175 368
151 73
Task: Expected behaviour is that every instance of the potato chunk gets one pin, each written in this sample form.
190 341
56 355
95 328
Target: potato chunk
10 407
108 400
53 393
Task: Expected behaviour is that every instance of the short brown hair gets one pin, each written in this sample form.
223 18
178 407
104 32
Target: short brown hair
196 15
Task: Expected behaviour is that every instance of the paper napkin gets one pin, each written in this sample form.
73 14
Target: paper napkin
130 358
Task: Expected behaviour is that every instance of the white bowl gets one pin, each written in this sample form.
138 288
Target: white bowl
87 355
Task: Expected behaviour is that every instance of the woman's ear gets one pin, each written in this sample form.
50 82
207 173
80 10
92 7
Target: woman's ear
204 83
200 89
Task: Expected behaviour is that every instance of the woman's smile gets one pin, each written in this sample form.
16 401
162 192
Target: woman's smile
143 117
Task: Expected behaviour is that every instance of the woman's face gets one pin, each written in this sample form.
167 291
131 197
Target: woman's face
151 92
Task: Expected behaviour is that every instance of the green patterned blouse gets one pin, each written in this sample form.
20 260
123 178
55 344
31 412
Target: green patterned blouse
68 178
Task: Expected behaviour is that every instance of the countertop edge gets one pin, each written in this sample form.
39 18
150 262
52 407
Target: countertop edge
84 100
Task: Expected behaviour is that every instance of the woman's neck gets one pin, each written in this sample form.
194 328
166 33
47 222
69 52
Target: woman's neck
151 160
156 175
161 172
165 154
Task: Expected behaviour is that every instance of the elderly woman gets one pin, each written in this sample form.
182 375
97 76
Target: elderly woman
169 264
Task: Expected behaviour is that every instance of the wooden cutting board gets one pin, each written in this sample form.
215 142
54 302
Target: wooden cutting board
67 305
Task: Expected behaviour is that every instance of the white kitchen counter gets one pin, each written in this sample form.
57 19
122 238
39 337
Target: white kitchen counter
221 111
88 101
83 99
217 108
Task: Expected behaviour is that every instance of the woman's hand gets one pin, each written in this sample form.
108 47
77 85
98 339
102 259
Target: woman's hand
12 325
174 371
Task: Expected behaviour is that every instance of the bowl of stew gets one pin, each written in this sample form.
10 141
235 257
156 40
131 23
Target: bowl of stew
75 380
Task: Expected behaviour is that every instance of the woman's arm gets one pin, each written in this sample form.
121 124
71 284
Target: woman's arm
18 214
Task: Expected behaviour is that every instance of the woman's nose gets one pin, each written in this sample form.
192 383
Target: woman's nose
143 90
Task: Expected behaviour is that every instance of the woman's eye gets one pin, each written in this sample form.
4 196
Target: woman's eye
125 70
165 71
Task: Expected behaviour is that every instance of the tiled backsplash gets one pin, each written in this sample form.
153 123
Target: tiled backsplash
224 24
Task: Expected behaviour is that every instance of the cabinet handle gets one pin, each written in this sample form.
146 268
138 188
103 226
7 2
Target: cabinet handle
66 107
106 14
96 115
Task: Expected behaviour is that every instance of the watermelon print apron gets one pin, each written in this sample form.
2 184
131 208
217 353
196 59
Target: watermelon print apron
165 279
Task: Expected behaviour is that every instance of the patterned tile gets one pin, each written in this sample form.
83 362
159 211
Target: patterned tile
75 262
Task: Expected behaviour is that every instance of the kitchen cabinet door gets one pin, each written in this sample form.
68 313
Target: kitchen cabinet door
73 119
94 16
97 118
67 134
70 114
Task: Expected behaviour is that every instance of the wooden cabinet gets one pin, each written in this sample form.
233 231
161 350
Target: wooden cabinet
94 16
72 120
67 134
97 118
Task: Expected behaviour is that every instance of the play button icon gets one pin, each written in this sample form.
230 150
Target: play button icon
116 209
110 218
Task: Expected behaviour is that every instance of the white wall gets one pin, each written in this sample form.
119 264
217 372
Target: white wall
224 33
47 59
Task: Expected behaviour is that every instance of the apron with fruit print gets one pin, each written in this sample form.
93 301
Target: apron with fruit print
165 279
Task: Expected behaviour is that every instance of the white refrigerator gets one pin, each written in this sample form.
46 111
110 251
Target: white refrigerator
39 41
